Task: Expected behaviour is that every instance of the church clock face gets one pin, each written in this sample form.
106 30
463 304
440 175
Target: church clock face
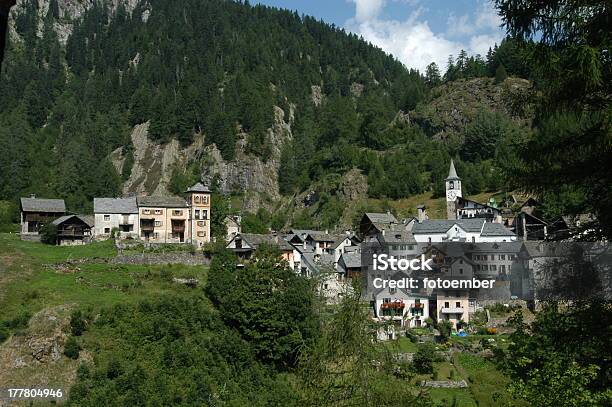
451 195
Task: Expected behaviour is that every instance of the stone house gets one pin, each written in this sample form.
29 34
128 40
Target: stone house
120 214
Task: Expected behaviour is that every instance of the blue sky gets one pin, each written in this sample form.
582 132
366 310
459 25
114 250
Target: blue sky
417 32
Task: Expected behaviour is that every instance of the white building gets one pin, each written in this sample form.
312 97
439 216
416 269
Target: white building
120 214
402 307
461 230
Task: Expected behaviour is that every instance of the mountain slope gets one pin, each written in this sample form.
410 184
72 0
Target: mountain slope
104 98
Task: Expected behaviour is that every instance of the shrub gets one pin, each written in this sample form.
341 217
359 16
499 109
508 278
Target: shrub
423 359
48 234
4 333
20 321
72 348
445 328
77 323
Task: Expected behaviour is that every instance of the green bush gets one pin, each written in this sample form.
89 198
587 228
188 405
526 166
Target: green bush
48 234
20 321
423 359
72 348
4 333
77 323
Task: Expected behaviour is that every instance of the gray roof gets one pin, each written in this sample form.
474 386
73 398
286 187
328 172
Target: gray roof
495 229
115 205
396 234
254 240
452 173
381 217
198 187
88 220
443 225
498 247
162 201
43 205
351 259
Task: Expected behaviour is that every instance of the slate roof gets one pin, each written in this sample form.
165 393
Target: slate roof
381 217
254 240
162 202
396 234
43 205
351 259
498 247
495 229
115 205
443 225
198 187
88 220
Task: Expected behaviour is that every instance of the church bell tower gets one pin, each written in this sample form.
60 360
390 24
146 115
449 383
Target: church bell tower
453 190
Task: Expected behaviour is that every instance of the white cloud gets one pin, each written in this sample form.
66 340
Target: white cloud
366 10
413 41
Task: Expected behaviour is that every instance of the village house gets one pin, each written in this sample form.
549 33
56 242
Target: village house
244 246
461 230
37 212
163 219
233 226
373 223
116 214
453 305
199 214
403 308
73 230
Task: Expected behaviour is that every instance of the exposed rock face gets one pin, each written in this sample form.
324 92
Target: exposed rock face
69 10
154 163
455 104
317 95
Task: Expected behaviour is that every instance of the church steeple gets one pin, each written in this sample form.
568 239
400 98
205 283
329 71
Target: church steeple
452 173
453 191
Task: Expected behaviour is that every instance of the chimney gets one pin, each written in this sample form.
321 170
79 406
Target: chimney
422 213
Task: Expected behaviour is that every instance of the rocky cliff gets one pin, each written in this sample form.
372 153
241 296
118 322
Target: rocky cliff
154 163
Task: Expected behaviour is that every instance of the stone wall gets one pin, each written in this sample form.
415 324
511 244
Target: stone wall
185 258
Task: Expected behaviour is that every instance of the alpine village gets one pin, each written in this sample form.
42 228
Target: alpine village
191 193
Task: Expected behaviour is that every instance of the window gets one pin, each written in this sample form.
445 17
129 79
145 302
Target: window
158 223
201 233
502 257
201 223
503 268
177 213
155 235
106 231
493 267
204 214
205 199
386 300
484 267
197 214
446 304
146 211
106 218
458 304
392 290
451 185
410 247
158 212
460 271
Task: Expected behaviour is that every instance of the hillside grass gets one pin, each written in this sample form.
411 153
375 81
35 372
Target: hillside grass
30 279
